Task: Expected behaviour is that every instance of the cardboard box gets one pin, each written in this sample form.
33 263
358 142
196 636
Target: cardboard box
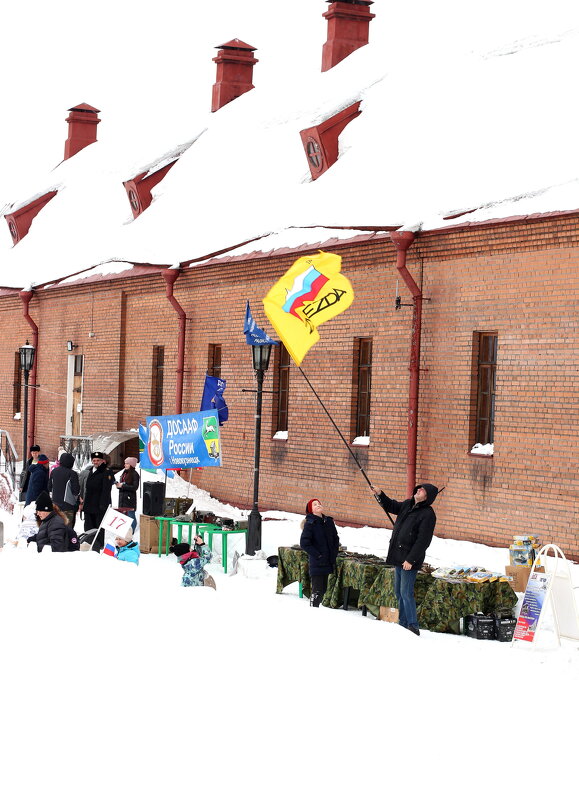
149 534
388 613
481 627
520 574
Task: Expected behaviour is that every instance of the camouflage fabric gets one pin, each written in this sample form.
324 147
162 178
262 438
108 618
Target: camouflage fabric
440 604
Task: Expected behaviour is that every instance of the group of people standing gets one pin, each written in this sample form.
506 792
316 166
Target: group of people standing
62 493
411 536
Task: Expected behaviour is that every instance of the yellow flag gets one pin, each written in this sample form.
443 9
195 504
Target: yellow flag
310 293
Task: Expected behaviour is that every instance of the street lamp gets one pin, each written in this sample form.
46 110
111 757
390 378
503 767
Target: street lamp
261 355
26 362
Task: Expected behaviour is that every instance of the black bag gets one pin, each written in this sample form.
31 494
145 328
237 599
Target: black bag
71 539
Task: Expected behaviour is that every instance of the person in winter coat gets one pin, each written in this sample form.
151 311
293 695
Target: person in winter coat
25 475
193 560
411 536
52 525
127 549
321 543
57 486
96 483
128 484
38 478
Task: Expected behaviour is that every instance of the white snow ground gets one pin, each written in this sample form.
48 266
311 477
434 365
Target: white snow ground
120 684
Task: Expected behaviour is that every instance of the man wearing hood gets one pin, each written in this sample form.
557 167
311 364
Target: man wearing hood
411 536
64 487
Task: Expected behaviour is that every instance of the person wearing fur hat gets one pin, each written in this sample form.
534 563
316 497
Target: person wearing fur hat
38 477
127 549
96 483
61 478
127 485
193 560
321 543
52 525
411 536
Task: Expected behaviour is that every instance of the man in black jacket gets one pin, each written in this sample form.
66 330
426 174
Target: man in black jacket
95 488
411 536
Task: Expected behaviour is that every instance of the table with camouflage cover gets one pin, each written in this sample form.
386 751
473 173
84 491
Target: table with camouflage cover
440 604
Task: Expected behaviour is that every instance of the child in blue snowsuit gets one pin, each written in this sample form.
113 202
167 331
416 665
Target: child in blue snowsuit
127 549
192 560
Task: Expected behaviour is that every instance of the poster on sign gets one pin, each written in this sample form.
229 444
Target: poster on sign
116 523
179 441
532 606
554 586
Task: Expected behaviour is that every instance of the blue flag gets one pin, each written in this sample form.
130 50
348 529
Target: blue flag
213 397
253 334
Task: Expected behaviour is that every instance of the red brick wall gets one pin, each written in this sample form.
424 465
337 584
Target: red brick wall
519 280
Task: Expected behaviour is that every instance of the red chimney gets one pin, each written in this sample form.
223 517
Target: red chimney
348 29
82 125
234 72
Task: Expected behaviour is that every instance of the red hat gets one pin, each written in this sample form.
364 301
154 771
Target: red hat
309 505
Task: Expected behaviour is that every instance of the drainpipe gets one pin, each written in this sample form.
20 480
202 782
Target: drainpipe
25 297
402 241
170 275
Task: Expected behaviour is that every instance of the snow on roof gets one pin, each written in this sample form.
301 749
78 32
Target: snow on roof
456 114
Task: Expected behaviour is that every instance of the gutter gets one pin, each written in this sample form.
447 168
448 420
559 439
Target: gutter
402 241
26 296
170 275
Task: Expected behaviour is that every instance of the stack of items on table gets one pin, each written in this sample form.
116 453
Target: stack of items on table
499 626
522 554
469 573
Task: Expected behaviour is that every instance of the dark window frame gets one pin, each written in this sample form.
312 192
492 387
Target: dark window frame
214 357
362 387
483 395
281 384
157 380
17 392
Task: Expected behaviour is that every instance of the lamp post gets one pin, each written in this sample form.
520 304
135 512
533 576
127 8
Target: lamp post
26 363
261 355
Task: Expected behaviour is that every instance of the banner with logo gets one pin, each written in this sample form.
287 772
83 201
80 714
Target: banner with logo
179 441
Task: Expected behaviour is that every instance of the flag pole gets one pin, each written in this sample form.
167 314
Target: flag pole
353 455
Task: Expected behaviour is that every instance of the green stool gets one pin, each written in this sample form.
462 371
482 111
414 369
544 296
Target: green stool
208 529
192 528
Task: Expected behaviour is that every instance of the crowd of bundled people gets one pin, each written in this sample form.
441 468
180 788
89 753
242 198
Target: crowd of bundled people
54 496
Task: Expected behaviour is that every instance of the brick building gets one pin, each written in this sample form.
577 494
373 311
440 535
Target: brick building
498 360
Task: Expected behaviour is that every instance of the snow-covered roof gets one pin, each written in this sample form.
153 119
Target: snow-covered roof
460 111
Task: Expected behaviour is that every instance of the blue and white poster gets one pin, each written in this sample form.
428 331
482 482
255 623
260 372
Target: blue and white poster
179 441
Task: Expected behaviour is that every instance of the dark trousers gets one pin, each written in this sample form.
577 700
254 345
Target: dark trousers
319 587
92 520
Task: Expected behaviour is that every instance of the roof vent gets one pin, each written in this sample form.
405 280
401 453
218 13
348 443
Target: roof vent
348 30
82 124
234 72
321 141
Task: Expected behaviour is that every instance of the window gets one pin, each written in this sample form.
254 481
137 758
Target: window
281 388
157 380
362 386
485 346
17 391
214 361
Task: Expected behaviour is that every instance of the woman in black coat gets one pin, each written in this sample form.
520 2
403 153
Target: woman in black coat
128 486
52 528
57 484
321 543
